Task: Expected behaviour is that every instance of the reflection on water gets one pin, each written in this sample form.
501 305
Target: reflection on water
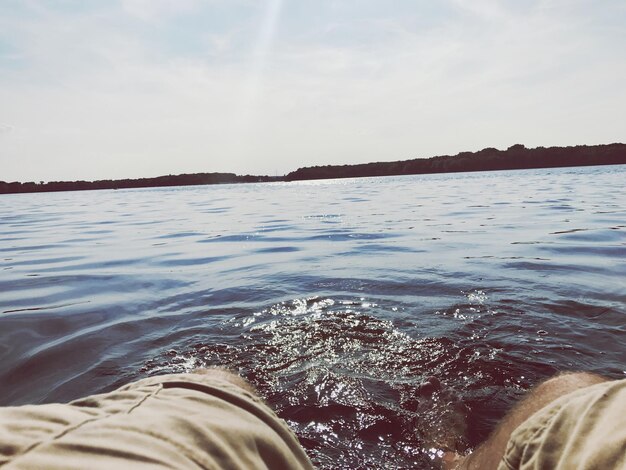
385 319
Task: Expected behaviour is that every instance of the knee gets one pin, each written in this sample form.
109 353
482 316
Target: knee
568 382
228 376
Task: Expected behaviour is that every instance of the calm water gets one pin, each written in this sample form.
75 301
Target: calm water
337 299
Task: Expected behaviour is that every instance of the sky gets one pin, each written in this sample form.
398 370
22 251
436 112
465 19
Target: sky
101 89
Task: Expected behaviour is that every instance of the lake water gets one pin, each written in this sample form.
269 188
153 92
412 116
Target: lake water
338 299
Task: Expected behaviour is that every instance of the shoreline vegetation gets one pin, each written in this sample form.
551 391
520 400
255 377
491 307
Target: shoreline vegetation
516 157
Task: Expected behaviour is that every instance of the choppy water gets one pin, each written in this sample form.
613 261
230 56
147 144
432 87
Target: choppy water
338 299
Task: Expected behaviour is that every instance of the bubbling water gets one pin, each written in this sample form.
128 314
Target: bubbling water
355 388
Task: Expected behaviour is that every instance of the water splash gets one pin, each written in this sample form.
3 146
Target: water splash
353 386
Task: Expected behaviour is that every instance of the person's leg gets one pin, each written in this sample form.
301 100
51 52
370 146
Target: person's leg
488 455
228 376
211 419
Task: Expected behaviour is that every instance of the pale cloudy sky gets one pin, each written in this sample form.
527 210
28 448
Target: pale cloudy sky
95 89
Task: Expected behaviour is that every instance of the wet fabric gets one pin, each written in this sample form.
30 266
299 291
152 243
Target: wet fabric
585 429
181 421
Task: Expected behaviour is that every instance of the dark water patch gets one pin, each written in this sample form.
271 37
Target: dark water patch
598 235
355 199
601 252
12 239
46 307
217 210
189 261
24 249
180 235
15 232
36 262
278 249
11 218
426 284
83 286
574 230
273 221
378 248
336 236
330 235
32 221
94 266
507 258
227 298
98 232
80 240
105 222
551 267
35 299
142 223
591 311
462 214
41 367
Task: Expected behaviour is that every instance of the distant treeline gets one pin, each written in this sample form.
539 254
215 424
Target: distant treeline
514 158
170 180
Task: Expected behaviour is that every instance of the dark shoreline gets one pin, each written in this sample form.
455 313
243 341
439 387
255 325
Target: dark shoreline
516 157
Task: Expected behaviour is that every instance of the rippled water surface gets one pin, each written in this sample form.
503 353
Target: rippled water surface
338 299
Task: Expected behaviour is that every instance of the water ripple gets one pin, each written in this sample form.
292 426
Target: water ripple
384 318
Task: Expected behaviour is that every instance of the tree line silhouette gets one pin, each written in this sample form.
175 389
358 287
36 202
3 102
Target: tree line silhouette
514 158
169 180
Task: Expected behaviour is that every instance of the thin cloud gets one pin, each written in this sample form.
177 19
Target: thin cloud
157 10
